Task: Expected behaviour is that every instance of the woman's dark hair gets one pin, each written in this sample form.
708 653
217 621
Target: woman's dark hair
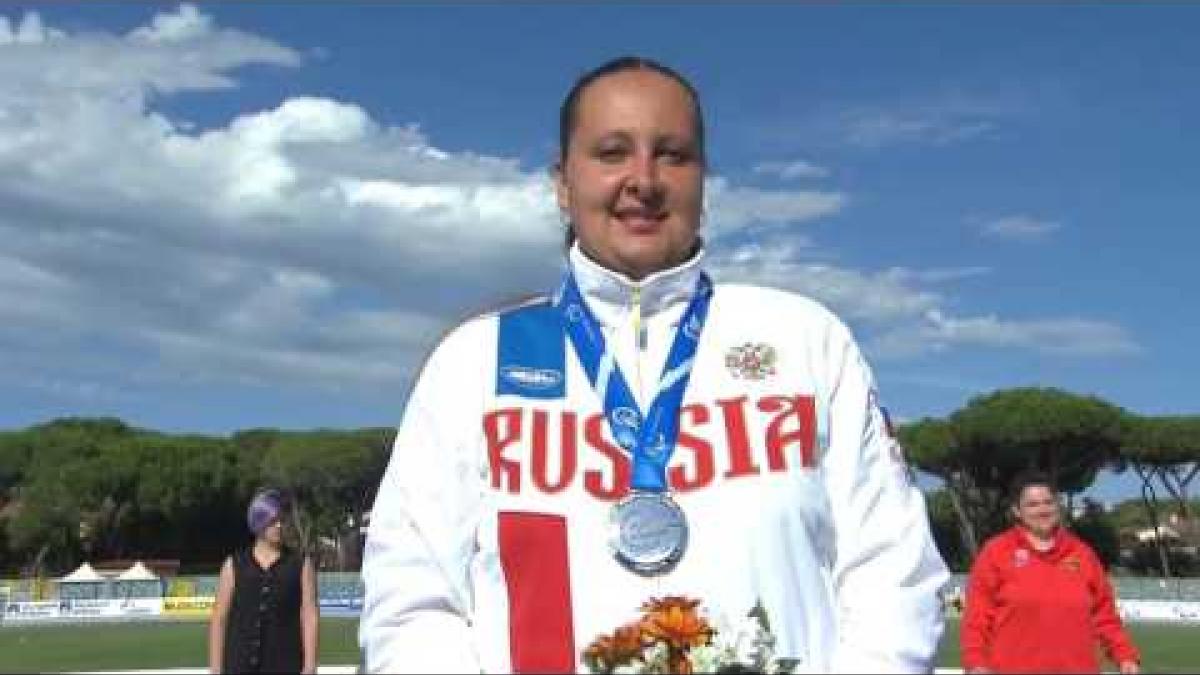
1028 479
568 114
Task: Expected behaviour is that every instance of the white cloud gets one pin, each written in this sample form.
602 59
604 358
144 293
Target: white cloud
731 208
186 24
782 262
931 118
304 243
1060 336
29 30
1018 227
792 170
936 119
262 246
877 128
899 315
184 52
941 275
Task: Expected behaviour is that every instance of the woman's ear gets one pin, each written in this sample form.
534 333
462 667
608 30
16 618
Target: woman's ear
562 194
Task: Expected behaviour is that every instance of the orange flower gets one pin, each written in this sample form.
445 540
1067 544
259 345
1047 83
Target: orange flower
608 652
628 642
669 601
672 620
598 655
676 621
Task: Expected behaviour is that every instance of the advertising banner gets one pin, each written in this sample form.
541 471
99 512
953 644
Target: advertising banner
83 609
1159 610
194 606
140 606
341 606
32 611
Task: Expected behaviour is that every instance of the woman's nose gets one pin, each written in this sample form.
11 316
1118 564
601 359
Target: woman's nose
644 180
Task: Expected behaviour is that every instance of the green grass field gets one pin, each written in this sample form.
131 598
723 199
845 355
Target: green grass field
130 646
141 645
1165 648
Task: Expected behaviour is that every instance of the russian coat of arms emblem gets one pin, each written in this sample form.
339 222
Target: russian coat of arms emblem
751 361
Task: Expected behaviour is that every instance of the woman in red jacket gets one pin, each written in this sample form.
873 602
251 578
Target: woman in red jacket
1038 599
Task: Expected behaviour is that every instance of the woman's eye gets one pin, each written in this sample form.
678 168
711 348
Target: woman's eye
675 155
610 153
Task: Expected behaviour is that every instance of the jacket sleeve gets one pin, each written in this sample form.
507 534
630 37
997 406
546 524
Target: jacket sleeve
979 615
1105 619
887 572
417 607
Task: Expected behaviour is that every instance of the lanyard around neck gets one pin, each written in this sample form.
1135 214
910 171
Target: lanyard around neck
649 439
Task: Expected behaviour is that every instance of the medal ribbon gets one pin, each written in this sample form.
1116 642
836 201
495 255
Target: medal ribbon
649 439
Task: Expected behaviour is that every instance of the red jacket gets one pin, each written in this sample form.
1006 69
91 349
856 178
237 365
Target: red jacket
1031 611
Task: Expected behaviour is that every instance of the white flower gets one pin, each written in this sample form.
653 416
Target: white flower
748 641
655 657
710 658
745 641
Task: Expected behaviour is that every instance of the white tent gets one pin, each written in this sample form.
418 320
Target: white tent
82 584
137 572
138 582
85 572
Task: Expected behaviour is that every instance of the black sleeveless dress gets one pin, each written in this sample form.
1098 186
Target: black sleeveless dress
262 634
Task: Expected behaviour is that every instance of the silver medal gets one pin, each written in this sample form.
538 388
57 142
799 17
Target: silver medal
648 533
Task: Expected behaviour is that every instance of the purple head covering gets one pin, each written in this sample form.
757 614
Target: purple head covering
264 508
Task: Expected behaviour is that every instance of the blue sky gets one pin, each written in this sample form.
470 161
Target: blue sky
231 215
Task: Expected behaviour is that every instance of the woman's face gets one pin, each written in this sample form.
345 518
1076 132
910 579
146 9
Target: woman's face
632 180
273 532
1038 509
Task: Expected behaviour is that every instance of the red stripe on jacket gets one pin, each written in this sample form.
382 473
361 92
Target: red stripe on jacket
533 553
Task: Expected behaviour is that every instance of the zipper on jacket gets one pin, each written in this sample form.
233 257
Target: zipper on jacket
639 333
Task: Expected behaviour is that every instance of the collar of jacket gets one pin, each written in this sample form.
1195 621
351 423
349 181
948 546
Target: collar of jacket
611 295
1062 543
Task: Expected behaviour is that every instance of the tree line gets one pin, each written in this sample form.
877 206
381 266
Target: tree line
978 450
76 489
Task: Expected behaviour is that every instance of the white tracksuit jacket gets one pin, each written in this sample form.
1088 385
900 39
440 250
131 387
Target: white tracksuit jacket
487 548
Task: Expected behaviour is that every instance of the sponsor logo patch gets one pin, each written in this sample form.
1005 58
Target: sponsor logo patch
534 378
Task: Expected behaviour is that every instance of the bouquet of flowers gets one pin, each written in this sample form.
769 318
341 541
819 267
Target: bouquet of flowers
674 636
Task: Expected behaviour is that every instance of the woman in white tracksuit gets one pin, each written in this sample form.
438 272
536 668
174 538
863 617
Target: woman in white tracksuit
644 433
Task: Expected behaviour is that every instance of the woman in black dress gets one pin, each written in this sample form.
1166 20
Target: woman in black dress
265 616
